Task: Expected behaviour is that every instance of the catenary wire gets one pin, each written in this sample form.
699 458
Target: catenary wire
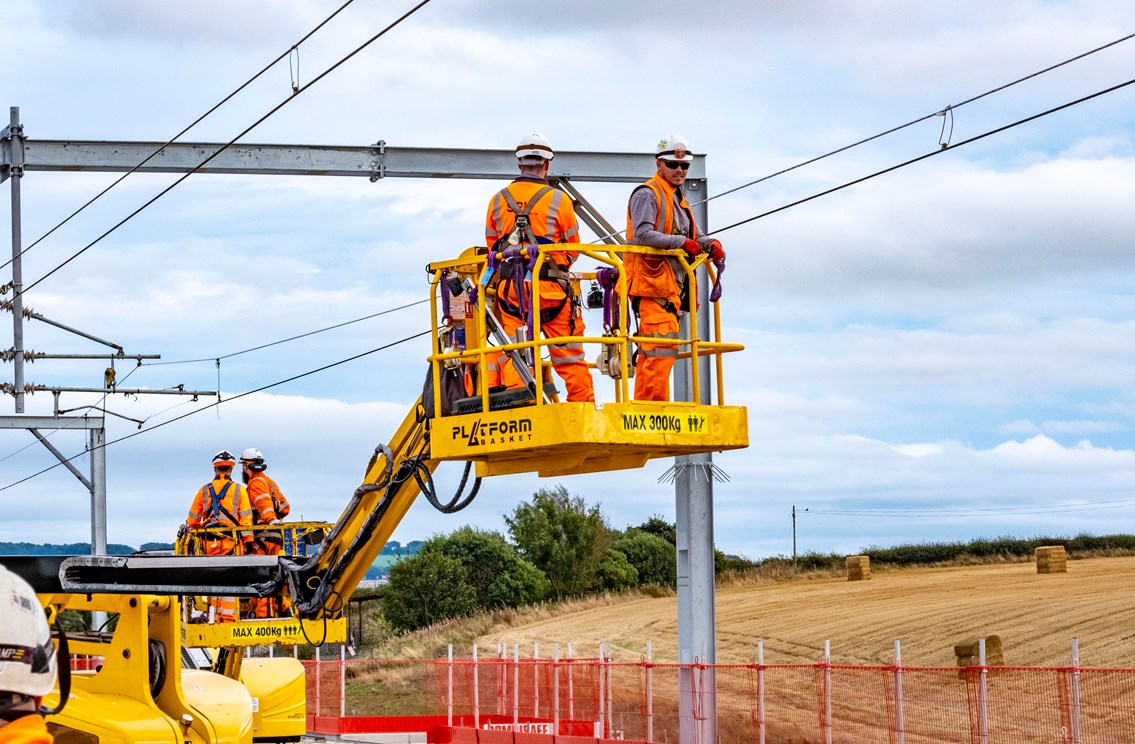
260 389
919 120
226 146
284 340
930 154
177 136
892 130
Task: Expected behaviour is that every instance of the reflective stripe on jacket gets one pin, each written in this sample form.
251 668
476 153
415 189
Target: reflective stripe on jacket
553 217
268 502
231 504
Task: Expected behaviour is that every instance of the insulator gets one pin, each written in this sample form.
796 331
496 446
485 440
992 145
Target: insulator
9 355
10 389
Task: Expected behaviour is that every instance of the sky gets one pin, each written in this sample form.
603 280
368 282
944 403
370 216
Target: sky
940 353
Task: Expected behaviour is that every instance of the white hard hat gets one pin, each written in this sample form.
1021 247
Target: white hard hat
673 147
535 147
27 655
224 459
251 454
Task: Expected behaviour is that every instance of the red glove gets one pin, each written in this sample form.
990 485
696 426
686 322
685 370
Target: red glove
691 247
716 252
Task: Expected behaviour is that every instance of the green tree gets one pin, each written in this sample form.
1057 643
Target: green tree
498 576
616 573
656 525
653 557
426 589
563 537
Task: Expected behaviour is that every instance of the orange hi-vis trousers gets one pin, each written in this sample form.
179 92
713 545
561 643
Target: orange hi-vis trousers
567 359
654 361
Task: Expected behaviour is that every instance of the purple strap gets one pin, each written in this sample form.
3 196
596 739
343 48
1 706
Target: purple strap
446 317
715 293
608 279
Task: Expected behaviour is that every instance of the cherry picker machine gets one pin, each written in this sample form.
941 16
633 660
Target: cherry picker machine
146 689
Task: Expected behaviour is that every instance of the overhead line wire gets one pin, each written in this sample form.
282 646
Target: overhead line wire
285 340
227 145
919 120
930 154
260 389
177 136
892 130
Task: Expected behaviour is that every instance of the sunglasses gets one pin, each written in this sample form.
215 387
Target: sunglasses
675 164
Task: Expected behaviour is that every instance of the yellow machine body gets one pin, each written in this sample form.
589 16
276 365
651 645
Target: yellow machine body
141 694
278 691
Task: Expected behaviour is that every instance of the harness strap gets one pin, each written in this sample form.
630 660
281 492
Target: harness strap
522 214
215 504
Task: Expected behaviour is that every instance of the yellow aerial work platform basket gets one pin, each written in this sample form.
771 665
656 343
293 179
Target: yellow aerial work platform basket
509 431
200 628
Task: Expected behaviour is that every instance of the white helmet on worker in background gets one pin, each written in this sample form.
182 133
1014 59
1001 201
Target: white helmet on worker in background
28 662
534 149
254 458
673 147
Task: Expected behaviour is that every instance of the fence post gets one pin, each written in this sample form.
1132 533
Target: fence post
476 691
602 697
556 689
649 691
983 699
535 679
899 723
515 686
502 678
1076 691
342 680
610 692
761 691
571 686
449 689
318 686
827 692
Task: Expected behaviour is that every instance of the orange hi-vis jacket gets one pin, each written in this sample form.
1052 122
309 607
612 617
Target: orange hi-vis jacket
655 276
221 503
30 729
552 217
268 502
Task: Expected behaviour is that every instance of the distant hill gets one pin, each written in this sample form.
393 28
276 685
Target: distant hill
23 548
391 553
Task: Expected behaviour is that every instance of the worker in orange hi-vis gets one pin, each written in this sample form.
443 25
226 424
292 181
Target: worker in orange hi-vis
659 216
28 663
269 507
223 504
525 213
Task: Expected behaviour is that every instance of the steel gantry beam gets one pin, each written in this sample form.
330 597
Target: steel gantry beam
368 161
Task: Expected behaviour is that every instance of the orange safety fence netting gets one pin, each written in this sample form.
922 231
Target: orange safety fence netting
798 703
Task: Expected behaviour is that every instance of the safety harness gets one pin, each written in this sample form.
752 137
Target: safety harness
215 505
515 271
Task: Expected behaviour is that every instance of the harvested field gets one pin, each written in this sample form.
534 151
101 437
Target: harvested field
928 609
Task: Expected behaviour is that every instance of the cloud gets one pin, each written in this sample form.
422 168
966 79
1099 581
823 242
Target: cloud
956 333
